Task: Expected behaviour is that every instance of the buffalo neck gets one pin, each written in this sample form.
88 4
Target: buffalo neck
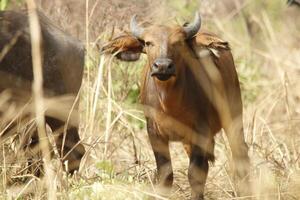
173 94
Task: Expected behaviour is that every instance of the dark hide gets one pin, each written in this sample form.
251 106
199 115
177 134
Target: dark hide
63 62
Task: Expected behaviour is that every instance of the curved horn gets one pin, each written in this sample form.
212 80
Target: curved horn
193 28
135 29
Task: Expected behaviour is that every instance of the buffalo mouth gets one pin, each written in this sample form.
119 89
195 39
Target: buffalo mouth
162 76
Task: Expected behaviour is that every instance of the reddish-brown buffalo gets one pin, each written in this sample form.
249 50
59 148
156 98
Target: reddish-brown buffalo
190 90
63 62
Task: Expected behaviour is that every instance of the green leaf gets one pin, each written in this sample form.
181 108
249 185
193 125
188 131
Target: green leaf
3 4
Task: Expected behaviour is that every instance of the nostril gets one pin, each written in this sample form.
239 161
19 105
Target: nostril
155 65
170 66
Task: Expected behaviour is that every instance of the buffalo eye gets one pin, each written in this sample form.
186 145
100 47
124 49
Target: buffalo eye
149 44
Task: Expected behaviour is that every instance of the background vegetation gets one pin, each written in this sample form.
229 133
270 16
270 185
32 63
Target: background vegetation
119 164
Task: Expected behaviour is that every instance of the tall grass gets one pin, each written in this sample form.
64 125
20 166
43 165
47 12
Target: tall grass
262 70
119 163
38 95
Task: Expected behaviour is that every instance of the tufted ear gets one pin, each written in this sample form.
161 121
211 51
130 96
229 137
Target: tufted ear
204 42
125 47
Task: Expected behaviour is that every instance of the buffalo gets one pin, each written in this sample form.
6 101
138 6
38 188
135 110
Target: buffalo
62 65
190 91
293 2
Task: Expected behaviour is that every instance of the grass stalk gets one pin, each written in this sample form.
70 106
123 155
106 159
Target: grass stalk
37 87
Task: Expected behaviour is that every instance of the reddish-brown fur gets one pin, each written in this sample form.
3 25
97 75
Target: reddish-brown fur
192 106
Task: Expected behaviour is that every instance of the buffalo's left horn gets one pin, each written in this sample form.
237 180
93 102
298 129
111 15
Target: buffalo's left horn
193 28
135 29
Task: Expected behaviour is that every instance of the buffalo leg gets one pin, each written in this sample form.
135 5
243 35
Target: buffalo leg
161 152
239 149
72 151
197 172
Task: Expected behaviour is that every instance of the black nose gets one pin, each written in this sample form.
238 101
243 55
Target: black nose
163 66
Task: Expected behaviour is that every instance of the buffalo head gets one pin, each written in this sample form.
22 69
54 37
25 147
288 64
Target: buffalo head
160 43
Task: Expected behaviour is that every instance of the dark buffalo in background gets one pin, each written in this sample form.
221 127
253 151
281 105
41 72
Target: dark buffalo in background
63 63
293 2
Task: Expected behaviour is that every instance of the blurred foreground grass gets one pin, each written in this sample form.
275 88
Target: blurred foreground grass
119 164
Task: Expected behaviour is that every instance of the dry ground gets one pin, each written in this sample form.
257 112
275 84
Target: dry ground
119 164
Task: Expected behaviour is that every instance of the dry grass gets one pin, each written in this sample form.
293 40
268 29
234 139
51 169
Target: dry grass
119 163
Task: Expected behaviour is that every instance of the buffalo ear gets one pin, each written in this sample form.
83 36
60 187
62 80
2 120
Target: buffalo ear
125 47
